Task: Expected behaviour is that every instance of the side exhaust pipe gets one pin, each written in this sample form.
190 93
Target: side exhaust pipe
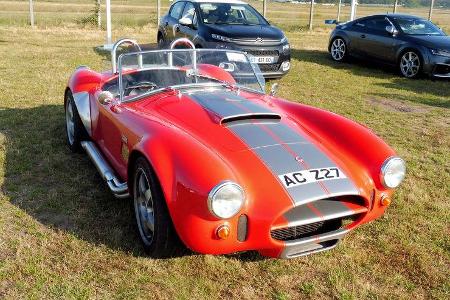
120 190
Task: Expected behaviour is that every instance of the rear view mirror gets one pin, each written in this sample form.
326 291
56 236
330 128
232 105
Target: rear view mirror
185 22
273 89
391 29
229 67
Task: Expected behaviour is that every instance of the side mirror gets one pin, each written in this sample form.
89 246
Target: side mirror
274 89
105 98
391 30
185 22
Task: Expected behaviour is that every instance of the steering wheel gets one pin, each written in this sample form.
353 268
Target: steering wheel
140 88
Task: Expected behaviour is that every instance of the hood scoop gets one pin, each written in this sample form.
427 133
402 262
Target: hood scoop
250 117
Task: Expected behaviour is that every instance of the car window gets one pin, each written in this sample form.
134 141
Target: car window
176 10
230 14
378 24
413 26
189 12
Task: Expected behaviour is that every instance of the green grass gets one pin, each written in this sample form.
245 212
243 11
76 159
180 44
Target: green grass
62 234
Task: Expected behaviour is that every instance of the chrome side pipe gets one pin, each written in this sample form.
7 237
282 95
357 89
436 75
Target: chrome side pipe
119 189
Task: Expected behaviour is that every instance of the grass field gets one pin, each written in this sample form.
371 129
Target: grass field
62 234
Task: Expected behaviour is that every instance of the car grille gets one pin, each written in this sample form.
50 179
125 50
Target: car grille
336 213
263 52
269 68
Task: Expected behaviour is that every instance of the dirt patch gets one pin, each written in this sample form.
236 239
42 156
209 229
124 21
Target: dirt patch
396 105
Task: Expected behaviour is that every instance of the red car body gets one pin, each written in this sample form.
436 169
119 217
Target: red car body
192 147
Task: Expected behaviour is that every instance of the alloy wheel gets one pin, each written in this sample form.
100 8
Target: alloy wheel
144 208
410 64
338 49
70 123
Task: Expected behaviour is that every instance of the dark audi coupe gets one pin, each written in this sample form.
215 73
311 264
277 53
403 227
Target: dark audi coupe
416 46
229 24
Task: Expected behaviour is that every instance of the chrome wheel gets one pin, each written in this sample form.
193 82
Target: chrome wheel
70 122
143 206
338 49
410 64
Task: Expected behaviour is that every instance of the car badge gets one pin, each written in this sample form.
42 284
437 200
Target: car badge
259 40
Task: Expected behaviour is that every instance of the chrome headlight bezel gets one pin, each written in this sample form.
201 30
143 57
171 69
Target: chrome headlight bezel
392 167
220 188
440 52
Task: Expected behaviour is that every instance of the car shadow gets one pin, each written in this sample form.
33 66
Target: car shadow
368 68
58 188
62 190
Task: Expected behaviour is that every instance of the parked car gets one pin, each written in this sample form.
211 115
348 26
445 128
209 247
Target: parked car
211 160
416 46
230 24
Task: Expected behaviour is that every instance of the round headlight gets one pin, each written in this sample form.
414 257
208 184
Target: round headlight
226 199
393 171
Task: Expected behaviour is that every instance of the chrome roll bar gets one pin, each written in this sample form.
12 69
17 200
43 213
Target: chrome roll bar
183 41
114 53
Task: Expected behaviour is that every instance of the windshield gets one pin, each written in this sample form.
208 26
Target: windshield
230 14
415 26
142 73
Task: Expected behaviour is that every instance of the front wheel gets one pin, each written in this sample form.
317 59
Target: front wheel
410 64
338 49
152 217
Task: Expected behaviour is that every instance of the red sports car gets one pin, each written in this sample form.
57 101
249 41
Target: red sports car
214 163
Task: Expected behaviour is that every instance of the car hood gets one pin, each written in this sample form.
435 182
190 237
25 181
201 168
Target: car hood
435 42
244 124
246 31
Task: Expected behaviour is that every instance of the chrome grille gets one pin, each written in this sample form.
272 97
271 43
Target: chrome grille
263 52
296 232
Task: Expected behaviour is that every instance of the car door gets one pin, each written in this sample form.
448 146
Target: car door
190 13
172 24
377 42
356 33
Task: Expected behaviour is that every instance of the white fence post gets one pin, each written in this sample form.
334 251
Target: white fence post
311 12
99 13
339 11
158 11
108 23
430 13
31 14
395 6
264 8
353 10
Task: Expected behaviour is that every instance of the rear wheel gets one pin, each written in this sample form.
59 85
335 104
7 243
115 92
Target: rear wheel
152 217
410 64
75 131
338 49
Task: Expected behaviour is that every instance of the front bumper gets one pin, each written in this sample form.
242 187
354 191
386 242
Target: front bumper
438 66
276 69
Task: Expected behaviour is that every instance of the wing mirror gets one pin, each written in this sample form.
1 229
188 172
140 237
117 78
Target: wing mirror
274 89
185 22
105 97
391 29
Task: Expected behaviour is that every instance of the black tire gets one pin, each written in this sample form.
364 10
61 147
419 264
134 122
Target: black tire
163 241
410 64
338 49
78 133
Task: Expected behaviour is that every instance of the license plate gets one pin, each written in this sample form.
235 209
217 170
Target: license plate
309 176
262 59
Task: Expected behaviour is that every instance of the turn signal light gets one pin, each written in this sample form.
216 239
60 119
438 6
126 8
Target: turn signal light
385 201
223 232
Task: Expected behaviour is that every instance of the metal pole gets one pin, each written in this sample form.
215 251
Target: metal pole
395 6
99 14
31 14
108 23
339 11
264 8
431 10
353 10
311 12
158 11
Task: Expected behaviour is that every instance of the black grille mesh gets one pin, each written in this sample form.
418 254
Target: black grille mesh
269 68
263 52
307 230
